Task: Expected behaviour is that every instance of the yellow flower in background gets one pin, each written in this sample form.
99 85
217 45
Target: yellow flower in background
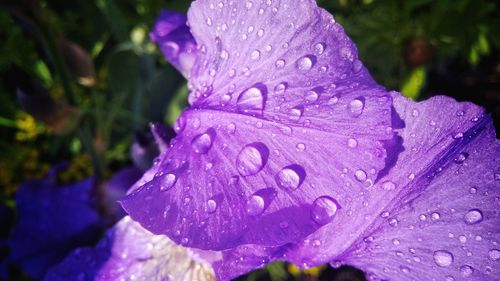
28 128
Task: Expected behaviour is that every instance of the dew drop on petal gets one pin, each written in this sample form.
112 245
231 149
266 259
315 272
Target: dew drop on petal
211 206
296 112
466 270
360 175
443 258
352 143
280 63
167 182
311 96
252 158
473 216
280 88
255 55
319 48
300 147
305 63
255 205
460 158
324 209
290 177
202 143
253 99
388 185
356 107
494 254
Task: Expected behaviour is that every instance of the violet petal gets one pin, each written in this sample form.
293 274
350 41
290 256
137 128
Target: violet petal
129 252
260 147
176 43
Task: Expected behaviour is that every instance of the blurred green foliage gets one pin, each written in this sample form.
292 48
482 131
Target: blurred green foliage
104 75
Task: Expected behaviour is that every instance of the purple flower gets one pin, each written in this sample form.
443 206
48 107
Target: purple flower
290 151
52 220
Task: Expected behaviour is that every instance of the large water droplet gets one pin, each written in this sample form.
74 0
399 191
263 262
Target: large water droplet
202 143
252 100
252 158
305 63
290 177
443 258
313 95
494 254
356 106
255 205
211 206
296 113
324 209
473 216
167 182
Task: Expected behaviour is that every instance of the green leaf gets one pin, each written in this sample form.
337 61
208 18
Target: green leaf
413 84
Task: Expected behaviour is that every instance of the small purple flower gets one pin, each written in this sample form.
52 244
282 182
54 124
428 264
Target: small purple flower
290 151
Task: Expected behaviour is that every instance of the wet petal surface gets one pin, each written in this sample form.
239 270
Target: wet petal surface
278 121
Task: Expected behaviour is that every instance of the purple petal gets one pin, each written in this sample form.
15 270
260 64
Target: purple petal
52 220
267 157
129 252
445 226
172 36
442 142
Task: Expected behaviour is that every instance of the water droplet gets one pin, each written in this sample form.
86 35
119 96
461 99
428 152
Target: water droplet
252 100
255 205
333 100
211 206
388 185
290 177
202 143
280 88
360 175
319 48
300 147
311 96
473 216
352 143
435 216
494 254
231 128
180 124
443 258
252 158
255 55
305 63
249 5
324 209
356 106
209 21
316 243
167 182
461 157
466 270
260 33
473 190
296 113
280 63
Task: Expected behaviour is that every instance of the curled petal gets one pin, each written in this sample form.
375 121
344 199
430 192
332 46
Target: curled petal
129 252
